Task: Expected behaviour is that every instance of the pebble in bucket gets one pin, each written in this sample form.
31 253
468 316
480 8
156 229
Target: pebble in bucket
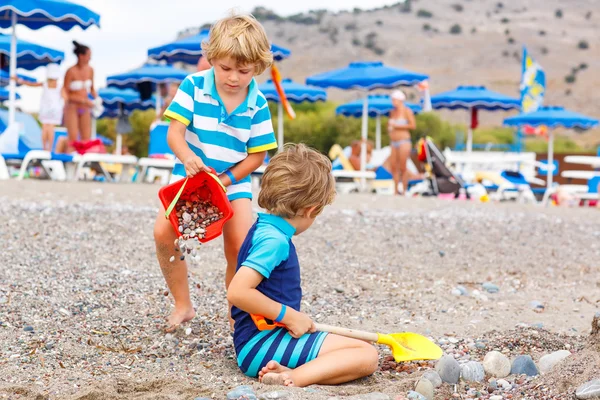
197 209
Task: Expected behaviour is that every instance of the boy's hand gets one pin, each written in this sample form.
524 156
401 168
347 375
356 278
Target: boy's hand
194 165
298 323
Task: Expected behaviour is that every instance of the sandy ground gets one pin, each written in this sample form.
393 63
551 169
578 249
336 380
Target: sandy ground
77 266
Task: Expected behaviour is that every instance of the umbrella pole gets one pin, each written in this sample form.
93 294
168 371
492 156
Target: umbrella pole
157 103
119 146
550 168
378 133
470 135
12 71
363 145
280 125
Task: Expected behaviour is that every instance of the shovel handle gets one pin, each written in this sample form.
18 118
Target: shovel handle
351 333
264 324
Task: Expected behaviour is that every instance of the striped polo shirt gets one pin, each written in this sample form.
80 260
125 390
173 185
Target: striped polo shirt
221 139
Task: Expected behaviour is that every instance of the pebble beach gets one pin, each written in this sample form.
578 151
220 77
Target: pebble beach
508 291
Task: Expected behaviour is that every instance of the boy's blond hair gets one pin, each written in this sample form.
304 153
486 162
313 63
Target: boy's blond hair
243 38
296 179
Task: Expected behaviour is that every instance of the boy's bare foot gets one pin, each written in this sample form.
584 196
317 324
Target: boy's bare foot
178 317
272 367
281 379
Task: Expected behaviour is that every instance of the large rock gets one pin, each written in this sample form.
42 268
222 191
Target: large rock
448 369
425 387
472 372
433 377
589 390
496 364
524 365
548 361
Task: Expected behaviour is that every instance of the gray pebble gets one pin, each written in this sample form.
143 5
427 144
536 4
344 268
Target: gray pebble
448 369
180 228
480 345
49 346
472 371
537 305
504 384
186 217
496 364
280 394
425 387
244 392
589 390
460 291
412 395
433 377
366 396
524 365
490 287
548 361
28 328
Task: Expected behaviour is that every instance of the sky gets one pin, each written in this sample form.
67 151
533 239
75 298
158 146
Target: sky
128 28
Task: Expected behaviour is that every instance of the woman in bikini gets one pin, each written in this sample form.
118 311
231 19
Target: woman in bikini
401 121
78 85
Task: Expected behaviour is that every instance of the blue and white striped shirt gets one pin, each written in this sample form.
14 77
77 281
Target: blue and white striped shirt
220 139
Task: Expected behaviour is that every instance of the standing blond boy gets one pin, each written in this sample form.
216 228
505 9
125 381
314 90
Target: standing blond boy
219 119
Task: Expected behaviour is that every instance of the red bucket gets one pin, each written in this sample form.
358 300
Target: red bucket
203 186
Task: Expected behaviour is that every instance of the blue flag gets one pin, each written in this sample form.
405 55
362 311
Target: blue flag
533 84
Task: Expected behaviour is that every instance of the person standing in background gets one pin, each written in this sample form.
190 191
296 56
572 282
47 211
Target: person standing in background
51 105
78 86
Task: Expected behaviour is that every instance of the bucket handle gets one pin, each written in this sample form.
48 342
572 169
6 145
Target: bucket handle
178 195
174 202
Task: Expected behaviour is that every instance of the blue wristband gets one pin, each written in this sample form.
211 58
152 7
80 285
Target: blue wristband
231 176
281 313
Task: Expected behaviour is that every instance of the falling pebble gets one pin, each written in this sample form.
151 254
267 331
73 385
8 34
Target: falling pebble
182 258
172 259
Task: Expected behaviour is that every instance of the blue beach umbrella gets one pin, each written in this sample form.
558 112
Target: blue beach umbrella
189 50
295 93
36 14
366 76
155 74
30 55
552 117
152 74
4 94
378 105
121 102
474 98
5 78
112 98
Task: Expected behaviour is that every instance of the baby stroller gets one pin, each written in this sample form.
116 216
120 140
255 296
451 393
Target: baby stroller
441 180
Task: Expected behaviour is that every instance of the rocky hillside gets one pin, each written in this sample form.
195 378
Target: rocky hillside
456 42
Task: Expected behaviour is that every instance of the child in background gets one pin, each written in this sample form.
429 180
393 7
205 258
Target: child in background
296 187
51 105
219 119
